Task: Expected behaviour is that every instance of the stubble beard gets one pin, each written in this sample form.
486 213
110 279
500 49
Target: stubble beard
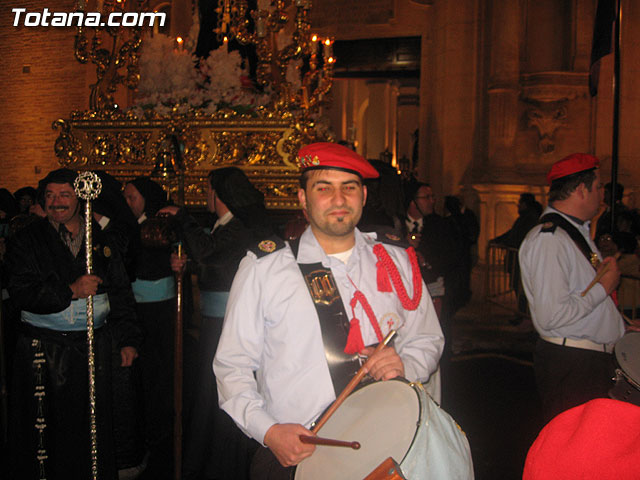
340 227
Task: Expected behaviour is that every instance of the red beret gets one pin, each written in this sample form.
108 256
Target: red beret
577 162
597 440
331 155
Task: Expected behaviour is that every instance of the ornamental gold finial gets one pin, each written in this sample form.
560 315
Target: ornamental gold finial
87 187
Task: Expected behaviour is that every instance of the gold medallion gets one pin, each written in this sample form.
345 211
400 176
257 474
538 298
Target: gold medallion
267 246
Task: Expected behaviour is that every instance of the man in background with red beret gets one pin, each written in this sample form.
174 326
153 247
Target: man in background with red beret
577 326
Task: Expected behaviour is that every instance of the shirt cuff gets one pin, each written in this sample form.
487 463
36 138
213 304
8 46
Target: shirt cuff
597 294
261 422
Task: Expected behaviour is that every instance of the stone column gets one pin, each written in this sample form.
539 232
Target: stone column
377 116
503 88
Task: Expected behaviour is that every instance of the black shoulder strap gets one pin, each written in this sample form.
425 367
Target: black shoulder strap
267 246
334 322
391 236
549 223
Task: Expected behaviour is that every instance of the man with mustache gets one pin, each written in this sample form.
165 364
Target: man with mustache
48 283
287 347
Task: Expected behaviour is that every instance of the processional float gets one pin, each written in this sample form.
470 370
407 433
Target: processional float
179 145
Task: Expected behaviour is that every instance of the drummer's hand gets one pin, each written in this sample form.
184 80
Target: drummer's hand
383 365
611 278
283 439
178 262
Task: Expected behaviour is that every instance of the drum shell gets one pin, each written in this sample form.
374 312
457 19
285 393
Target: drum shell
391 419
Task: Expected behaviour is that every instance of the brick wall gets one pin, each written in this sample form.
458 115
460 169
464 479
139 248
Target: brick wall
40 81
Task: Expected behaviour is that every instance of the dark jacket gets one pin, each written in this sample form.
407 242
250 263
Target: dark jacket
41 269
216 255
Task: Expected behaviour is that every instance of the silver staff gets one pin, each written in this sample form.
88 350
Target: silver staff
88 187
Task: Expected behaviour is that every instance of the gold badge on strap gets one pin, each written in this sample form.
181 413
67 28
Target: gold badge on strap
595 261
267 246
322 287
107 251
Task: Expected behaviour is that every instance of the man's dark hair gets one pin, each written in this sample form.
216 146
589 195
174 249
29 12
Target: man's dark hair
619 191
453 205
411 190
60 176
562 188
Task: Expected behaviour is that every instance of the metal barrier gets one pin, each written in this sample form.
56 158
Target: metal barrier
503 286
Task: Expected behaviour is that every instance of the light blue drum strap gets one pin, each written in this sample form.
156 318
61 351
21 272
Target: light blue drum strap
148 291
213 304
72 318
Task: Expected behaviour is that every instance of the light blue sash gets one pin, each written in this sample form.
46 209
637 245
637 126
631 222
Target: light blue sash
148 291
213 304
73 318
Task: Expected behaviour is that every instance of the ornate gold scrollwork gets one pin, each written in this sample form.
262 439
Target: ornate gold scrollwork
180 148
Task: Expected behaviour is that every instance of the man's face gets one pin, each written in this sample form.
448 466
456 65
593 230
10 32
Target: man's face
24 202
333 201
134 199
594 198
60 202
425 200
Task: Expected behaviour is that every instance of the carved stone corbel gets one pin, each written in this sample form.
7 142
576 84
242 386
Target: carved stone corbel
546 118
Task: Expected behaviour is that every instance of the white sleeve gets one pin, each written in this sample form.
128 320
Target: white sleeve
546 262
239 353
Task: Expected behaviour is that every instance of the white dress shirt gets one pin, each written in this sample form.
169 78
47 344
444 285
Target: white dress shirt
271 328
554 273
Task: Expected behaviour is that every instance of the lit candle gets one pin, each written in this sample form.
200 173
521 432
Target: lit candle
261 28
328 49
180 42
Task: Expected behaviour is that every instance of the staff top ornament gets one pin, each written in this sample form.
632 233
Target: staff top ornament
87 185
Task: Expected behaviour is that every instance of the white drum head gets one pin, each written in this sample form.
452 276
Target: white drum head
627 354
382 416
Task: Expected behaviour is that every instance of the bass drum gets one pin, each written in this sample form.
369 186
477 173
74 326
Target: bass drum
390 419
627 382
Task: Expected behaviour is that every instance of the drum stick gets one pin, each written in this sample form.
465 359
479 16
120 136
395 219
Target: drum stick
351 385
598 276
328 441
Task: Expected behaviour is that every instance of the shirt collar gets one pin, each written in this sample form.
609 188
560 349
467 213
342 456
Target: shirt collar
310 251
223 220
571 218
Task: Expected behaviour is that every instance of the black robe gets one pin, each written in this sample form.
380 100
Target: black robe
214 446
40 271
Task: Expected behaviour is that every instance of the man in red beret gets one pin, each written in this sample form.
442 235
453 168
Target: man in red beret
301 315
578 325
